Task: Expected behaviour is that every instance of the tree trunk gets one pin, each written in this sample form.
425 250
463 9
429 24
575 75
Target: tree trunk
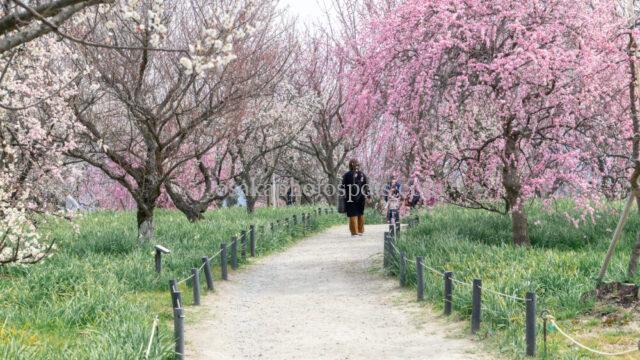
193 209
513 186
251 204
146 228
616 237
632 269
635 153
520 227
334 182
193 215
633 262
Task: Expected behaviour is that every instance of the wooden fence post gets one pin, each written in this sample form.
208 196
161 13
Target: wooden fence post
403 268
252 240
223 261
234 253
420 277
476 305
207 272
386 254
243 243
178 331
173 288
195 284
530 332
448 291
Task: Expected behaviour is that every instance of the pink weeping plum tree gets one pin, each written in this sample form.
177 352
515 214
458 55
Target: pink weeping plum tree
502 96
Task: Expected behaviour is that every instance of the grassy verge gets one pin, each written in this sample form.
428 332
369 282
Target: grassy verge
97 296
559 268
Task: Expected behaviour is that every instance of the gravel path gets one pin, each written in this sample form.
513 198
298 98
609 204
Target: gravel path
321 299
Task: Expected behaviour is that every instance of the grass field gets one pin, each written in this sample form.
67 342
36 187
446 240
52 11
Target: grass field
559 268
97 296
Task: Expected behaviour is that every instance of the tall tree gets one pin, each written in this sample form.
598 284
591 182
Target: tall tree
143 114
325 138
260 139
502 85
22 21
35 122
256 130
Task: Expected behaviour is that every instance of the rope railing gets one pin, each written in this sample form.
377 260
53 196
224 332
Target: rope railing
553 322
461 282
219 251
457 281
528 303
304 223
512 297
154 328
435 271
184 280
235 240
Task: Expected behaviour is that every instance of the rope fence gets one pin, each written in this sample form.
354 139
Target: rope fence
552 321
154 329
287 225
391 253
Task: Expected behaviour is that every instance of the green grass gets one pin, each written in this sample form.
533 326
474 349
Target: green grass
559 267
97 296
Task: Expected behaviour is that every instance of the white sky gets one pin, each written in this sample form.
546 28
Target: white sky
307 11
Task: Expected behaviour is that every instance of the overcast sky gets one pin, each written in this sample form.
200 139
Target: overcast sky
306 10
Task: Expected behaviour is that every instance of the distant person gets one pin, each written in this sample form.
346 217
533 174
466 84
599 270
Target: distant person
416 197
356 191
394 201
291 200
393 183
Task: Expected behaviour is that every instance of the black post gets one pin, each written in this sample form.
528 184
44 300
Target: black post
403 268
178 331
243 238
544 336
252 240
304 223
234 253
173 289
295 219
158 261
420 277
531 324
271 226
476 305
448 289
386 253
176 298
392 254
207 272
195 284
223 261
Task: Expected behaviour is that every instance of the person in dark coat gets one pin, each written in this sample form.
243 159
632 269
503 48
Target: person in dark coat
291 200
356 190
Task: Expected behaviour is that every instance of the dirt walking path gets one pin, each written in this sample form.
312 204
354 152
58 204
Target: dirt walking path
321 299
